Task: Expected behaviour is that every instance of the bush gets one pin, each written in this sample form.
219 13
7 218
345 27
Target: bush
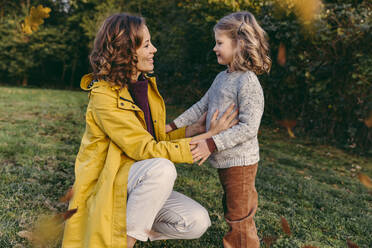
324 85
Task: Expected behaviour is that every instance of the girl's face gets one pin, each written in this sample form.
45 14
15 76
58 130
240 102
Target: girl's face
145 54
224 48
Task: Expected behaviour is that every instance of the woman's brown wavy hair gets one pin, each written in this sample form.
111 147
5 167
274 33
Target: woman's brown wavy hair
252 51
113 57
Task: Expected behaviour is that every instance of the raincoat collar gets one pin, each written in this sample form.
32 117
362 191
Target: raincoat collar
87 82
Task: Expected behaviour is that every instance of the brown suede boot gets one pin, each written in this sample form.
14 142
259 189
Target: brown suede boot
240 204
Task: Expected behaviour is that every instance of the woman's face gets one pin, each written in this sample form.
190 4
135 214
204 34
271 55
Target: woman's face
145 53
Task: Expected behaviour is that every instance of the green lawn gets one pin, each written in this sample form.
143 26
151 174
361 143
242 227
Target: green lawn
314 187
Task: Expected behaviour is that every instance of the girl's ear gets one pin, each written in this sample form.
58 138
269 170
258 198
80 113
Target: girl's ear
239 44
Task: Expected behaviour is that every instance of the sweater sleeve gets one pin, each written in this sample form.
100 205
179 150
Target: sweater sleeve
192 114
251 106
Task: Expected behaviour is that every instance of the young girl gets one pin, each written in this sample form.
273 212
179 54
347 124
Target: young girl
241 46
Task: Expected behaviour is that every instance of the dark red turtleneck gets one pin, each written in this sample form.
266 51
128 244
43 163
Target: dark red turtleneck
138 91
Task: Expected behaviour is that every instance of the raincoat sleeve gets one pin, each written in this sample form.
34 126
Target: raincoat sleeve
125 129
179 133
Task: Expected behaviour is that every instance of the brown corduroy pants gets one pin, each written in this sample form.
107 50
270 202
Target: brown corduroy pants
240 202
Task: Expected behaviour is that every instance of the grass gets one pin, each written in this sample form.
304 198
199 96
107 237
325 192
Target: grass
314 187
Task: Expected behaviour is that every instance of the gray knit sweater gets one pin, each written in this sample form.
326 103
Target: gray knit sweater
238 145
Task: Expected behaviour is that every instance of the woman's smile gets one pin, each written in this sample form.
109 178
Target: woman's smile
145 53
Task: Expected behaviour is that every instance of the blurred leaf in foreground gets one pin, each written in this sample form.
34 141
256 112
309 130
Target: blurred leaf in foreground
48 229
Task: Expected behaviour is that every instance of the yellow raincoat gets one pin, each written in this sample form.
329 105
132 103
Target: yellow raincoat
115 137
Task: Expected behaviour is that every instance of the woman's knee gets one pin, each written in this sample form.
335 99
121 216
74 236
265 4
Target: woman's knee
201 222
164 170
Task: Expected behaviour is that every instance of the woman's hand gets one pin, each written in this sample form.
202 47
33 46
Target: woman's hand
194 129
200 151
226 121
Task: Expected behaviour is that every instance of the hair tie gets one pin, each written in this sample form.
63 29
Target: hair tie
240 27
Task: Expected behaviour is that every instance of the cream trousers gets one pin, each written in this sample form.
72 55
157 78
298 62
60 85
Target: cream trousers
155 211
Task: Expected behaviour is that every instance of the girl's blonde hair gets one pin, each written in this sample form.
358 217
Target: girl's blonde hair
252 51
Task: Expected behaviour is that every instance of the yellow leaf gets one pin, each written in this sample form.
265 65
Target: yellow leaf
306 10
290 133
35 19
26 29
289 125
48 230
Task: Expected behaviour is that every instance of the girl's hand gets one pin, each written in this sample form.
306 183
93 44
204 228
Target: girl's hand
226 121
168 128
200 151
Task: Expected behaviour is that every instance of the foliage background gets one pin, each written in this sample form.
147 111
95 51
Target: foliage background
324 85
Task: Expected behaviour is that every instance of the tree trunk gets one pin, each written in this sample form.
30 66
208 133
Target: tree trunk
63 71
24 81
74 62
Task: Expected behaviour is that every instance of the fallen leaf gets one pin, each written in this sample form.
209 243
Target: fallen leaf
351 244
66 215
285 226
281 59
290 133
365 180
288 124
67 197
269 240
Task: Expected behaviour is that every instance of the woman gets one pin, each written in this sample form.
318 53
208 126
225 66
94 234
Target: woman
124 172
